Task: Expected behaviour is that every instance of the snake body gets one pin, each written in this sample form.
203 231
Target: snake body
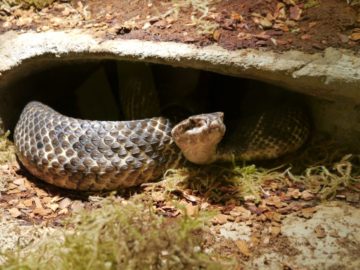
109 155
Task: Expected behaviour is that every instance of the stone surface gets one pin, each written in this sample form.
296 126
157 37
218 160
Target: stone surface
331 78
328 240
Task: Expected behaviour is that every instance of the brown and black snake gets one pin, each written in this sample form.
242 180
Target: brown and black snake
109 155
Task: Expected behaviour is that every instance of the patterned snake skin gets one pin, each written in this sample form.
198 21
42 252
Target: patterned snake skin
105 155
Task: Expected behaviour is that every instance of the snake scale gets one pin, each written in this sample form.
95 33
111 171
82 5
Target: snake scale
109 155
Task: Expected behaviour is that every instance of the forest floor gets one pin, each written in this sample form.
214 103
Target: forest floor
240 217
279 25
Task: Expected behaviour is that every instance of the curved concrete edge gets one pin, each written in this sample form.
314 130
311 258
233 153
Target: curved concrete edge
332 74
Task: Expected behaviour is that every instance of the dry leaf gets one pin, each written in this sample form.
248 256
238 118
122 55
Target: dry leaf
41 192
219 219
295 13
240 211
243 247
42 211
158 196
320 231
46 200
14 212
14 191
64 203
63 211
307 195
216 35
275 231
19 181
37 202
355 36
265 22
53 206
28 202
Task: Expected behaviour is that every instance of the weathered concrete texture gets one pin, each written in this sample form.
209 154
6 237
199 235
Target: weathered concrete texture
337 248
332 76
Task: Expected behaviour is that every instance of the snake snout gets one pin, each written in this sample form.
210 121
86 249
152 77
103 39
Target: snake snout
199 135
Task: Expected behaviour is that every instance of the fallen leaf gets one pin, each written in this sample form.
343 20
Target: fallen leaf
158 196
37 202
19 182
236 17
216 35
63 211
28 202
64 203
307 212
13 191
275 231
307 195
320 231
243 247
42 211
295 13
312 24
306 37
46 200
12 186
41 192
219 219
14 212
240 211
53 206
265 22
355 36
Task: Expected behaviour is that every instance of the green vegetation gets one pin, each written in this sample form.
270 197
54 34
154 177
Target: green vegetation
39 4
7 149
323 168
311 4
120 235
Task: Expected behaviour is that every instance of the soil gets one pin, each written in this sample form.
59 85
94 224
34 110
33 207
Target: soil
309 26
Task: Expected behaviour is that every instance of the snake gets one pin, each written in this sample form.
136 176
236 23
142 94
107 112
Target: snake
90 155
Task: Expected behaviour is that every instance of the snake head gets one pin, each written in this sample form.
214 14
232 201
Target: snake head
199 135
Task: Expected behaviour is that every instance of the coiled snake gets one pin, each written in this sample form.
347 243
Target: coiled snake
107 155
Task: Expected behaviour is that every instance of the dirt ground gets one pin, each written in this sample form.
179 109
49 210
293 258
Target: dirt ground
289 228
309 26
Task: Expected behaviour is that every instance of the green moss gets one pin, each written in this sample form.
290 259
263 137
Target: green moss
7 149
311 4
120 236
39 4
323 167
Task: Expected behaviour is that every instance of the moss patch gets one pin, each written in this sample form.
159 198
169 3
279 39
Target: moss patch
120 235
7 149
323 168
39 4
